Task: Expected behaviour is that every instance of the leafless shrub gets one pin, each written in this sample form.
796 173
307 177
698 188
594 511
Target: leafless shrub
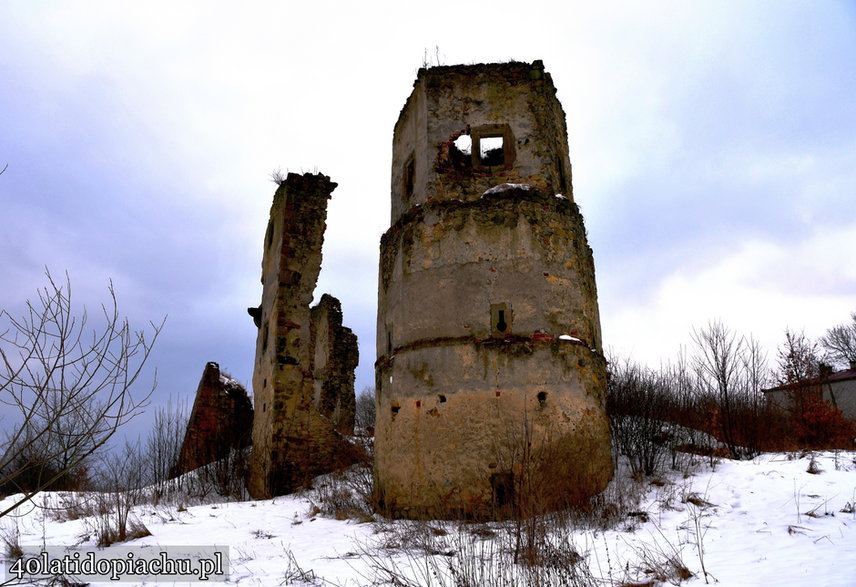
225 477
658 562
71 505
418 537
10 535
70 386
278 176
813 466
462 558
296 575
347 494
121 488
638 402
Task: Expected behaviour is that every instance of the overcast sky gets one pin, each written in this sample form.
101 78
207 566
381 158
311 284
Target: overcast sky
713 147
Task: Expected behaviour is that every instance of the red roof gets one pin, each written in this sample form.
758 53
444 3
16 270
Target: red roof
845 375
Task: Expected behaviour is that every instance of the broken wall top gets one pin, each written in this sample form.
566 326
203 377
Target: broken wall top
467 128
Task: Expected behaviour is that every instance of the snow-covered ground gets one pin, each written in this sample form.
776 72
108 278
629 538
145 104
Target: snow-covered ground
768 521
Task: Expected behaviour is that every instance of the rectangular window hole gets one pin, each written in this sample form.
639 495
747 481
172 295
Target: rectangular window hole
491 151
442 398
542 398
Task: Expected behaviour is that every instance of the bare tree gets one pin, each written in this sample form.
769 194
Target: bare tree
365 411
718 367
67 386
798 358
752 420
840 342
163 445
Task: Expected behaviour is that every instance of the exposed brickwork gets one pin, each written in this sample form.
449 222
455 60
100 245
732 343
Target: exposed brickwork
335 358
293 440
221 420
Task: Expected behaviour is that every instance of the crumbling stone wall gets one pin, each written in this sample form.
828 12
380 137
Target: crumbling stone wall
293 440
335 358
490 375
221 420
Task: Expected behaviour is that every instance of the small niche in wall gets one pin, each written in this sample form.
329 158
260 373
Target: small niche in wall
542 398
500 319
442 398
409 178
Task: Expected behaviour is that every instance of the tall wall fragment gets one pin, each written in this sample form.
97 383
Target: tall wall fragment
335 357
293 440
490 377
221 420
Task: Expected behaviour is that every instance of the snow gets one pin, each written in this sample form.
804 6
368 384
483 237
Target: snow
767 521
569 337
504 187
561 197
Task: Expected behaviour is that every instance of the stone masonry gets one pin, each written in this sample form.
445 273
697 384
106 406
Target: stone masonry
490 376
294 437
221 420
335 357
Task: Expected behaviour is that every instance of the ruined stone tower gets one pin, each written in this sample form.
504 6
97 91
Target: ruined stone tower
296 427
490 376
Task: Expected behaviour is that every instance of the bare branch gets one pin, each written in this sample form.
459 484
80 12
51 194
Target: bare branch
70 386
840 341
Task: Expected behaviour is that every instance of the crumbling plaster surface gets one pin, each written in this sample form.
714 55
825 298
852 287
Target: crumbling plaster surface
449 100
519 245
490 377
447 430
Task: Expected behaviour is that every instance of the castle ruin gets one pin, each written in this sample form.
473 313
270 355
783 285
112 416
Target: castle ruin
303 393
490 376
219 422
